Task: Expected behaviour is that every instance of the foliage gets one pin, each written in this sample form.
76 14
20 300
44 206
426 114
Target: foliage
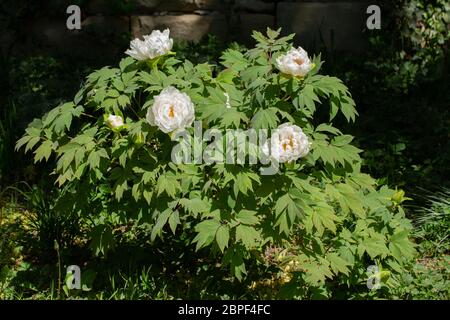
428 280
208 50
30 86
51 225
7 140
433 224
10 247
416 53
331 215
395 83
136 271
428 277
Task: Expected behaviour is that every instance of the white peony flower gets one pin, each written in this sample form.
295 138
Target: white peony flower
288 143
295 62
171 111
114 122
154 45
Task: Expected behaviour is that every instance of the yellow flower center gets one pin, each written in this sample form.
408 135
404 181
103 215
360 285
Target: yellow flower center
285 145
298 61
171 113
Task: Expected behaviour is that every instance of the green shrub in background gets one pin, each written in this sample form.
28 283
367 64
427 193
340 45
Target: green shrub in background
429 276
433 224
320 215
416 52
401 87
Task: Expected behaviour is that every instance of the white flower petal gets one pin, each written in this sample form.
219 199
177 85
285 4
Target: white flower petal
295 62
172 110
288 143
114 122
154 45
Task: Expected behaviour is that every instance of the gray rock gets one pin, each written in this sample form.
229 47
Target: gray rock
98 36
144 6
187 6
254 6
190 27
337 26
140 7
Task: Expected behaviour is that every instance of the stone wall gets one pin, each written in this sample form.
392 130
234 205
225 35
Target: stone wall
333 24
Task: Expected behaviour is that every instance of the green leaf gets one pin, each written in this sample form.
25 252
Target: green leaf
31 143
281 204
273 34
168 183
234 256
119 188
125 63
247 217
328 128
195 205
316 272
233 117
136 191
259 37
206 232
348 109
213 107
94 160
243 182
342 140
148 196
374 246
123 101
254 73
248 235
226 76
44 151
324 218
265 119
338 264
400 246
22 141
160 223
234 60
349 199
306 99
64 119
222 237
287 211
174 220
50 116
71 146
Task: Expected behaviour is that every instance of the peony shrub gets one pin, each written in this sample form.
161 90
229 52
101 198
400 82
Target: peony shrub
317 218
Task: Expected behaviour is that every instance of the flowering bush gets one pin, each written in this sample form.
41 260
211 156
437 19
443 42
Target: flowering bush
113 148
